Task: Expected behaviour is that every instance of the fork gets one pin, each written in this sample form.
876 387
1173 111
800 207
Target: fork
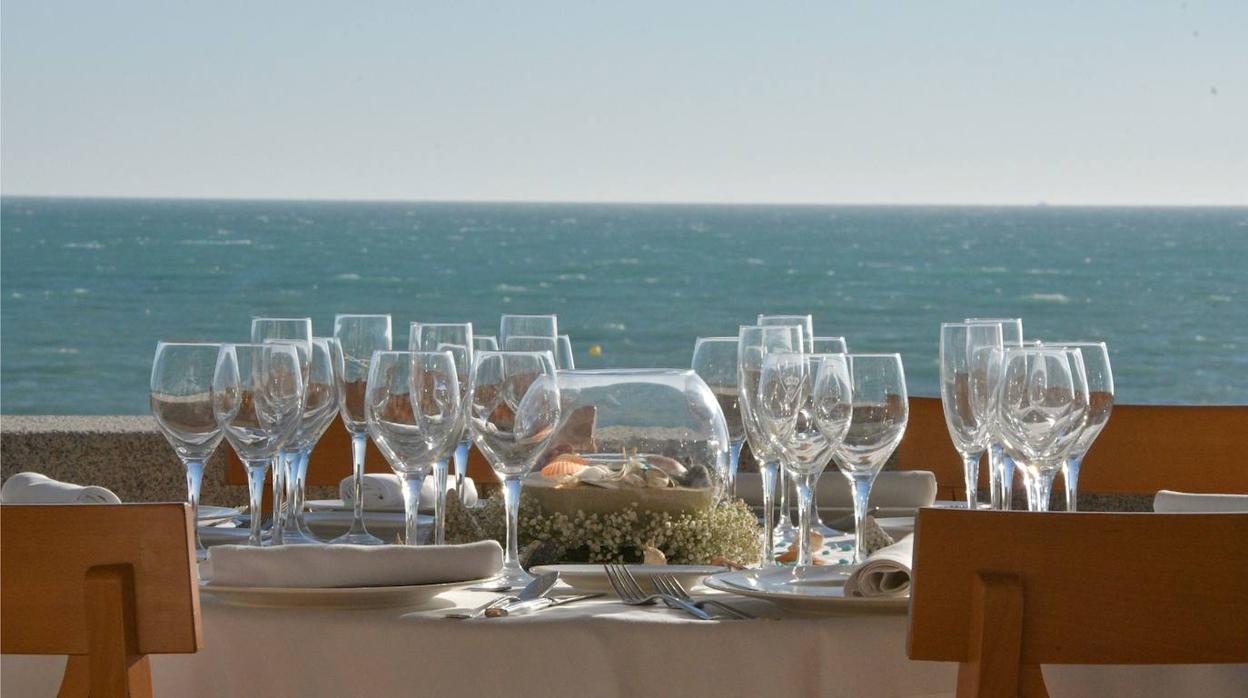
669 585
629 591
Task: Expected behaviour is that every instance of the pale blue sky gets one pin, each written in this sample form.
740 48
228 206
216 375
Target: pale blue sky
939 102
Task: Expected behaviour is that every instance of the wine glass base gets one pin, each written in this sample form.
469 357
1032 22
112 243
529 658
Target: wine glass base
300 538
507 580
356 538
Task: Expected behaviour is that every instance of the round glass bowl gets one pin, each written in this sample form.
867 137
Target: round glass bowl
651 438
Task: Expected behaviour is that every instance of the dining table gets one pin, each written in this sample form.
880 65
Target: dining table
596 647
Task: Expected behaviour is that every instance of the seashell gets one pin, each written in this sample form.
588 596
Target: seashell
558 469
816 543
592 473
671 466
632 480
657 478
697 477
571 458
652 556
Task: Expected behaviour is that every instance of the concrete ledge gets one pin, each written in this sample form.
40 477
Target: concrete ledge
128 455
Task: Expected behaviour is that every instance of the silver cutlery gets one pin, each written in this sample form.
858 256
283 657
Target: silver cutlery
631 594
667 584
534 605
534 590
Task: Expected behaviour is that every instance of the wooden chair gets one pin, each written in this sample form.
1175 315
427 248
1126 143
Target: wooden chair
105 584
1004 592
1135 454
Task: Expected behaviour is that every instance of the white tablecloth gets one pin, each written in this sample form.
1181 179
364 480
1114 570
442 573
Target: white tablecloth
592 648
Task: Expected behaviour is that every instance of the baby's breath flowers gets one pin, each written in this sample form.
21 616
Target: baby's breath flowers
727 531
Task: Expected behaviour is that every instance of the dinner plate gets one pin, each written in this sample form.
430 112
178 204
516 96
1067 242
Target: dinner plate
211 514
339 505
820 591
592 578
350 597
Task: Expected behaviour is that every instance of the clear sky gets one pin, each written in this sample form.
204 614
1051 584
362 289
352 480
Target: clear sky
1082 102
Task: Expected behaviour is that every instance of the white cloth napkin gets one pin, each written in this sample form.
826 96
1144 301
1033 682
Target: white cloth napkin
893 489
384 492
1169 502
36 488
885 573
326 566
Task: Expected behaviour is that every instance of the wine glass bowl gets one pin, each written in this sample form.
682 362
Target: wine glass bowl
965 394
527 326
1100 377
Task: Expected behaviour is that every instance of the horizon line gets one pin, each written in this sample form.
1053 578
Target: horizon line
599 202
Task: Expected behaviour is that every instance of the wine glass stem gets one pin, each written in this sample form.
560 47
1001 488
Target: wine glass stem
1071 472
359 445
1007 480
411 507
734 460
767 472
805 498
279 486
255 487
970 475
439 502
782 490
511 504
995 485
461 468
194 482
1043 485
862 495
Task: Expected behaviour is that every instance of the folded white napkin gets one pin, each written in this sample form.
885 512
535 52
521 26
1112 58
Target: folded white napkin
36 488
886 573
326 566
1168 502
893 489
384 492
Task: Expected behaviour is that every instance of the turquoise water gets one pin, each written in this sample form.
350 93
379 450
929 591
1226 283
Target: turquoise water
88 286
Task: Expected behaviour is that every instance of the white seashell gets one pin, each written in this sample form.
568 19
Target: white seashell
592 473
657 478
632 480
653 556
671 466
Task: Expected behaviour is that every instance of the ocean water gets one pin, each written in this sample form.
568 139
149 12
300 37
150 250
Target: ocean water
89 286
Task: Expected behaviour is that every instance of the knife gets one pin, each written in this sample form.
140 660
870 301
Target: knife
535 590
534 605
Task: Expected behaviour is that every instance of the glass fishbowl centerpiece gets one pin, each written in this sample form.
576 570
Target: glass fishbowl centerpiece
654 439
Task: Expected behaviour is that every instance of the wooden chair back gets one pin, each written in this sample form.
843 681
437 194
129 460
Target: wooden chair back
1135 454
1004 592
106 584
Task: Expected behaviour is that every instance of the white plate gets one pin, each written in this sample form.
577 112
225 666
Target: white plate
339 505
821 590
353 597
211 514
593 579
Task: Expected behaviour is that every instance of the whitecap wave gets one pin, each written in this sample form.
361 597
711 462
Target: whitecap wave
349 276
1060 298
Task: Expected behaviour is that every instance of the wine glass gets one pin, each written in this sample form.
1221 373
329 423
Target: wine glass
829 345
754 342
826 345
455 337
527 326
1041 411
564 358
484 342
715 362
181 402
513 411
966 404
413 413
1100 403
784 529
257 398
1000 465
525 343
806 322
320 406
357 337
877 422
806 426
297 331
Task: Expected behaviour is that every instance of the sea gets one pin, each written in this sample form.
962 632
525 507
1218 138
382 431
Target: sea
89 285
